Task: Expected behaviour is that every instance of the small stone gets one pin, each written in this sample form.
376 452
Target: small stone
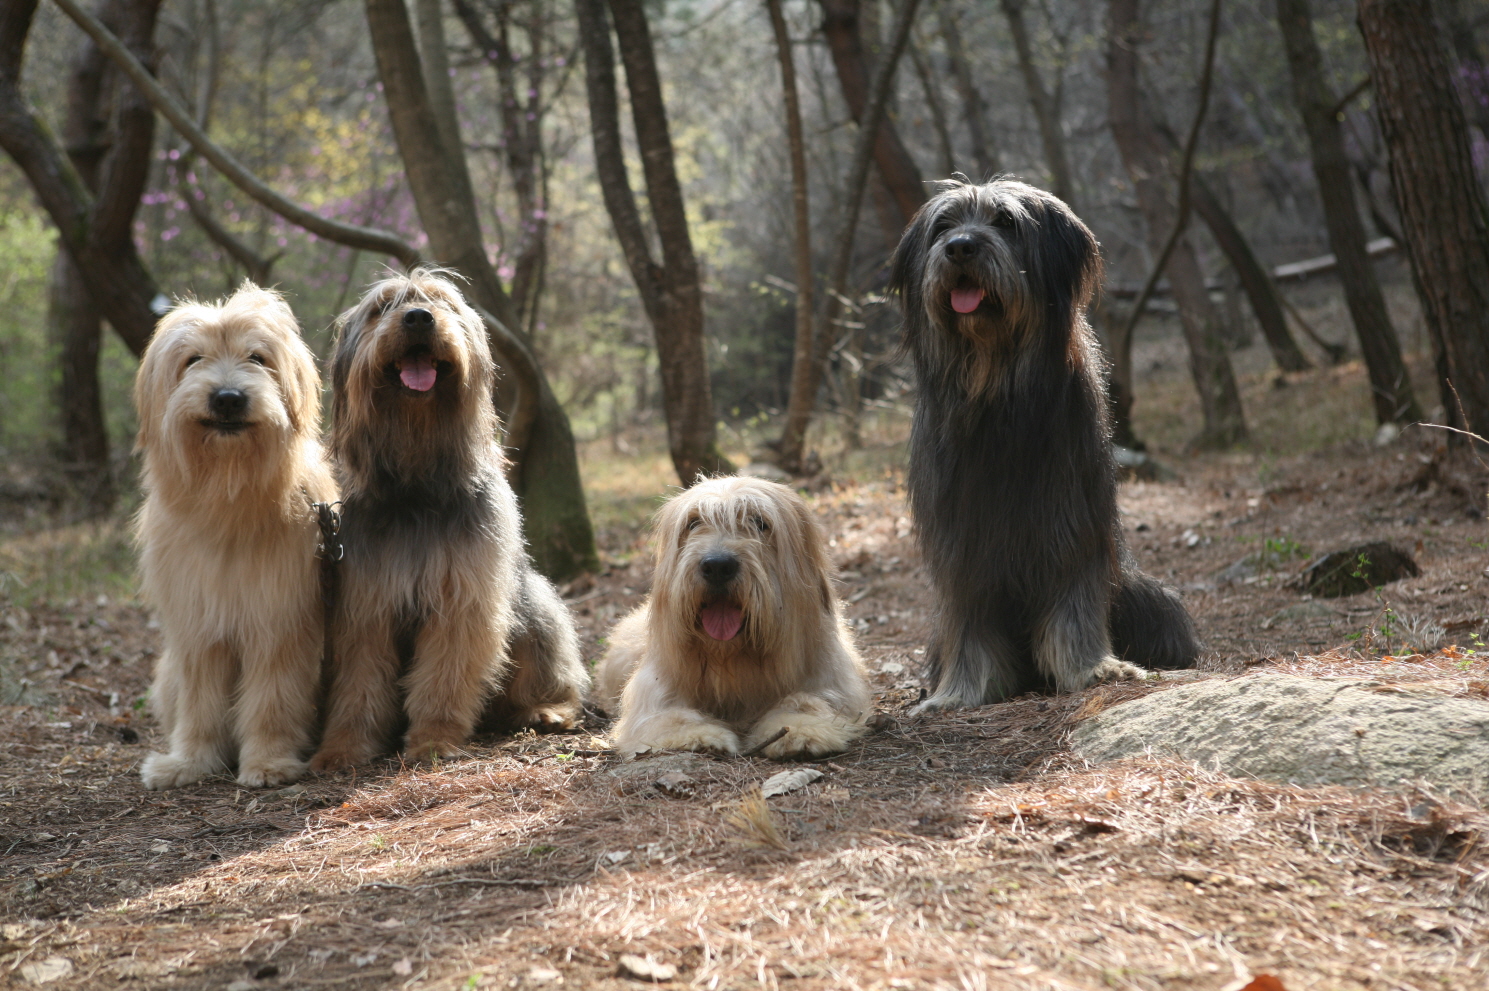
403 967
160 846
645 969
543 975
677 784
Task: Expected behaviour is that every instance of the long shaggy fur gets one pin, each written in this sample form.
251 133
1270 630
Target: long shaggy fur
440 613
229 408
1011 478
748 545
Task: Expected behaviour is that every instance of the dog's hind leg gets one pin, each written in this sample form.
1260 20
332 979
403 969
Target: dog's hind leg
968 665
1071 644
363 703
457 657
199 689
548 676
276 707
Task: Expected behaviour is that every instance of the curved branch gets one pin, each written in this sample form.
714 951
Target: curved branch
352 235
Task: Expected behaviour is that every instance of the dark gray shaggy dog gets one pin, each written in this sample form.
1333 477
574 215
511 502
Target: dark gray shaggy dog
441 619
1011 478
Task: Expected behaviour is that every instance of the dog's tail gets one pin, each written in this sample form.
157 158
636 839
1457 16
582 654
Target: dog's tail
1149 625
548 674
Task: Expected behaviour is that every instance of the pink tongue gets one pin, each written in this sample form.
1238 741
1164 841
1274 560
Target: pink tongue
417 373
965 300
722 620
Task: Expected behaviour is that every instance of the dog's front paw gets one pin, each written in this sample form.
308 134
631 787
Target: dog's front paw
550 718
701 737
940 703
267 773
172 770
806 736
332 759
432 746
1112 669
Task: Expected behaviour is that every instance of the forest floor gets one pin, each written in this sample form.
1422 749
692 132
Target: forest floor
968 850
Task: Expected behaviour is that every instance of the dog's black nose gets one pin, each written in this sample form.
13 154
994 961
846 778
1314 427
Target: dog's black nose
719 568
961 248
228 404
418 320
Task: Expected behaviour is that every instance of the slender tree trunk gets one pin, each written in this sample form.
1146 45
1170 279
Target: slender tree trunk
896 166
1142 155
93 229
1390 384
672 291
76 328
799 404
933 103
1046 113
1444 216
974 109
545 474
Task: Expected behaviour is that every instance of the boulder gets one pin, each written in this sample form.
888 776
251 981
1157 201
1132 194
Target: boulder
1356 569
1306 731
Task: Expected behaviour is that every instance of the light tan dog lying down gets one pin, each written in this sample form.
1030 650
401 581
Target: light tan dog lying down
741 636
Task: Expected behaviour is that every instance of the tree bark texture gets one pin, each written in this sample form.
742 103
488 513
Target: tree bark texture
1444 217
801 400
896 166
1046 112
1142 156
671 291
94 229
76 328
546 470
1390 385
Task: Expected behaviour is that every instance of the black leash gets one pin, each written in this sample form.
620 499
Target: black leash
330 551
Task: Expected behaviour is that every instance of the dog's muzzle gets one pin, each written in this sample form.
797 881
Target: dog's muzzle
417 369
228 408
721 616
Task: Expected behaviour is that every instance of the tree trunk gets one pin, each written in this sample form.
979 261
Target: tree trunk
974 109
94 230
800 402
1142 155
76 328
896 166
671 292
1390 385
946 152
545 474
1444 216
1046 113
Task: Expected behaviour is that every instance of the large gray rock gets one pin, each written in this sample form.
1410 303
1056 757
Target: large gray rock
1305 731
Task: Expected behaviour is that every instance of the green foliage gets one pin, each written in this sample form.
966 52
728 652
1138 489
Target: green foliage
27 358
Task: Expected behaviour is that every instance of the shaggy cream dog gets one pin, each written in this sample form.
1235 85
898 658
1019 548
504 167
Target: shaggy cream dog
742 636
229 406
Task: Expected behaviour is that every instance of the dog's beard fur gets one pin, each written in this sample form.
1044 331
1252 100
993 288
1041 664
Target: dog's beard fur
790 642
1011 474
228 538
250 344
383 427
1035 264
439 607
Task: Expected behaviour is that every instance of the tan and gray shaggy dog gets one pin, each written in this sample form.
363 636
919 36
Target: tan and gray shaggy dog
742 635
440 616
229 407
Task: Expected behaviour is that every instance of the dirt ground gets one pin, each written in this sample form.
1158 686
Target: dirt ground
967 851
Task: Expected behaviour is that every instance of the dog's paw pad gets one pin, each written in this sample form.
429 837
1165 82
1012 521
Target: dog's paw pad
169 771
266 774
1115 670
549 718
330 761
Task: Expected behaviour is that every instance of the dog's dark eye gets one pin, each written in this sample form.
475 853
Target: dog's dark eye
694 523
760 524
193 360
1004 220
257 359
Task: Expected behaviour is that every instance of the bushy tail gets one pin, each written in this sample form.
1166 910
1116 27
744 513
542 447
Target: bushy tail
1149 624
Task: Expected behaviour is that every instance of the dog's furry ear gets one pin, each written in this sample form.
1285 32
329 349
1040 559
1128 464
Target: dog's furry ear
1067 268
299 382
813 550
909 259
